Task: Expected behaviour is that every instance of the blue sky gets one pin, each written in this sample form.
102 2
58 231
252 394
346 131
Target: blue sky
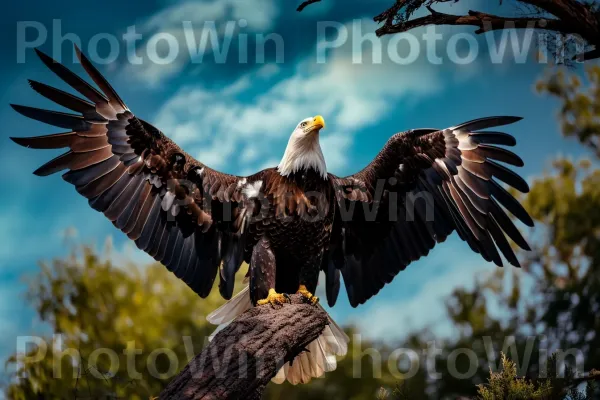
237 117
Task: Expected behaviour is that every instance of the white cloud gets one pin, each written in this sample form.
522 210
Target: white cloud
249 155
220 126
153 74
238 86
268 71
258 15
335 149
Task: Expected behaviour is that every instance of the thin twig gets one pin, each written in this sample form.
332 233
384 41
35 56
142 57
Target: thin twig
306 4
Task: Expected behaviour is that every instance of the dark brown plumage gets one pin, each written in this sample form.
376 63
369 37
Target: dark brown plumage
425 171
198 222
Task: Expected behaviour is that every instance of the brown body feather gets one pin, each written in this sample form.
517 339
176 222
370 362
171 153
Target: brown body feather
296 219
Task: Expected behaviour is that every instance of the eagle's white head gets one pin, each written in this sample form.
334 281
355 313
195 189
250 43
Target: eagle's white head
303 151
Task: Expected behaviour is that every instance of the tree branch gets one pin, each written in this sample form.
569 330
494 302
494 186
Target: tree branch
590 55
243 357
485 22
577 15
306 4
573 17
391 13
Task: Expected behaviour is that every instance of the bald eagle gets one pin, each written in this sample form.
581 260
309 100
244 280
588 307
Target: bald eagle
288 222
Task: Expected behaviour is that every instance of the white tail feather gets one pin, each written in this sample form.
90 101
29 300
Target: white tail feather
302 363
319 358
329 360
336 338
280 377
234 307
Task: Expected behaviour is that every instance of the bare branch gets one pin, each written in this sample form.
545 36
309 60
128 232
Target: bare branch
403 9
590 55
306 4
485 22
569 17
579 16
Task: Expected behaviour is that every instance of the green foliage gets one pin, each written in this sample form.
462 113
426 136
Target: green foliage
564 265
402 391
580 109
93 304
566 262
556 294
506 384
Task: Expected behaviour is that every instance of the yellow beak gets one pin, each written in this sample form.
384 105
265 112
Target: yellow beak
318 122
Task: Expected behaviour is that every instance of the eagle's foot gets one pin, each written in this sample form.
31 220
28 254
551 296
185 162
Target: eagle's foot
308 295
274 298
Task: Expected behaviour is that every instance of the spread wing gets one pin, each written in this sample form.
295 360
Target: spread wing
422 186
176 209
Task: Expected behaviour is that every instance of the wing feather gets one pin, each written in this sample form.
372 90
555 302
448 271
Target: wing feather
445 181
126 168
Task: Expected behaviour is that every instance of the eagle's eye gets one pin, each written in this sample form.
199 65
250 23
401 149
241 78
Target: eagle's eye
303 124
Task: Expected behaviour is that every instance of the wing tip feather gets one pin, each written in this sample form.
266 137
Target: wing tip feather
43 56
514 118
45 170
100 80
487 122
37 86
40 172
23 110
17 107
508 119
20 141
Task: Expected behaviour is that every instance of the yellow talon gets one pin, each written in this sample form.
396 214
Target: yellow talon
304 292
273 298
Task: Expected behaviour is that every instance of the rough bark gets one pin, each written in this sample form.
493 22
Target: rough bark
243 357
